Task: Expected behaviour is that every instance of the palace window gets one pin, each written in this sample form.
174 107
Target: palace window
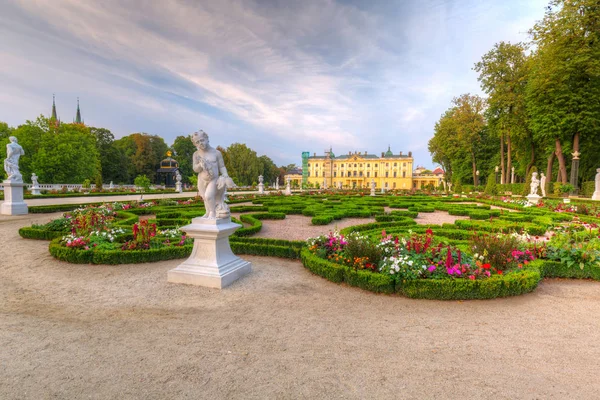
394 185
342 165
308 165
368 174
308 174
360 165
368 165
387 174
354 165
394 174
395 164
354 173
387 164
360 174
375 165
404 174
342 174
404 164
323 174
375 174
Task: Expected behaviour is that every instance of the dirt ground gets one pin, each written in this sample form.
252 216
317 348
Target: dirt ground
122 332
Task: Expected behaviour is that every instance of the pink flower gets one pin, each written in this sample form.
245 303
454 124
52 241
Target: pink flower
472 277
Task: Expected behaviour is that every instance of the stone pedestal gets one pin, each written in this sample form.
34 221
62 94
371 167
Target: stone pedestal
13 199
596 195
178 187
373 192
533 199
261 188
212 263
35 190
288 190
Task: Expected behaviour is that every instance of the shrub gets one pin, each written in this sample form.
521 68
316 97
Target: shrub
142 181
322 219
496 249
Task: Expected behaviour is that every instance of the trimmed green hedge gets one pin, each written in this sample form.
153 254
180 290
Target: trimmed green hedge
337 273
511 284
555 269
322 219
29 232
96 256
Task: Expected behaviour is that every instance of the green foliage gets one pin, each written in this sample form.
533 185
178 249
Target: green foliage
491 188
527 186
184 149
144 153
142 181
322 219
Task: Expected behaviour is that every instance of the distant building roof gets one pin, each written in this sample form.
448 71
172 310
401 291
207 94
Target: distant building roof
438 171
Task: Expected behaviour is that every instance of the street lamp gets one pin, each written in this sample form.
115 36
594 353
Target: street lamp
496 176
477 178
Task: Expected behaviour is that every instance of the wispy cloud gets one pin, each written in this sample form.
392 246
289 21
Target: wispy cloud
280 76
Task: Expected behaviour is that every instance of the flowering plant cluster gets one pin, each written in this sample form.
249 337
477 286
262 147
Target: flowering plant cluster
76 242
143 232
421 256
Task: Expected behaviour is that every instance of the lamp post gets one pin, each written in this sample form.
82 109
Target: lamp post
496 176
477 178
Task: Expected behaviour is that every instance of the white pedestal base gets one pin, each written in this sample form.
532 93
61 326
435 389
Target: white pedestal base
373 192
261 188
13 199
288 191
35 190
596 196
533 199
178 187
212 263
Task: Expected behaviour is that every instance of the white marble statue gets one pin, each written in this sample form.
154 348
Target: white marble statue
543 184
111 186
260 179
277 184
11 163
34 180
213 180
177 176
596 195
535 183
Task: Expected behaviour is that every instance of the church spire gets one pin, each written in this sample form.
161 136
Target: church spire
53 108
78 116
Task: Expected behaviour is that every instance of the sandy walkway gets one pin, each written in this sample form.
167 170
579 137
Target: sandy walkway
76 331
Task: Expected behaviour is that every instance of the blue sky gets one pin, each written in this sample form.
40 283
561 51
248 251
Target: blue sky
281 76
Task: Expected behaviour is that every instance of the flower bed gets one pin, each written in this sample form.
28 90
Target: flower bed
419 266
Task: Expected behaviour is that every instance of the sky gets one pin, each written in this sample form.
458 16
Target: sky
281 76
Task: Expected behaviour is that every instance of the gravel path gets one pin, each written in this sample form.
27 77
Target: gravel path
122 332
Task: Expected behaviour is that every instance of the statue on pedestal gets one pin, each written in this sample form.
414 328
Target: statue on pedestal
596 195
535 183
213 180
543 184
34 180
11 163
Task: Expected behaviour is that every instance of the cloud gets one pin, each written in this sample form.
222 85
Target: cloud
280 76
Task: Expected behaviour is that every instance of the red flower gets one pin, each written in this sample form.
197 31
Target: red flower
486 266
499 272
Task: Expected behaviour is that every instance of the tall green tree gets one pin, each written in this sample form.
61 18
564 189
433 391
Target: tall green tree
144 153
503 73
563 90
183 149
242 164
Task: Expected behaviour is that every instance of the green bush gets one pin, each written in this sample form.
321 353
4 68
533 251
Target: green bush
322 219
510 284
142 181
39 233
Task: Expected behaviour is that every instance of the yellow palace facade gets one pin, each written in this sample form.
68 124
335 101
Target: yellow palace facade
358 169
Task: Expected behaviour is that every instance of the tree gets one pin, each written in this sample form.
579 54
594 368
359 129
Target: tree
563 91
242 164
183 149
113 162
503 73
144 152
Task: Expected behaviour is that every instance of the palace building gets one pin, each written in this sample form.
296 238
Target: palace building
358 169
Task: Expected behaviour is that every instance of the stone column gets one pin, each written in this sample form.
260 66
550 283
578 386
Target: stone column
13 199
575 172
512 175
